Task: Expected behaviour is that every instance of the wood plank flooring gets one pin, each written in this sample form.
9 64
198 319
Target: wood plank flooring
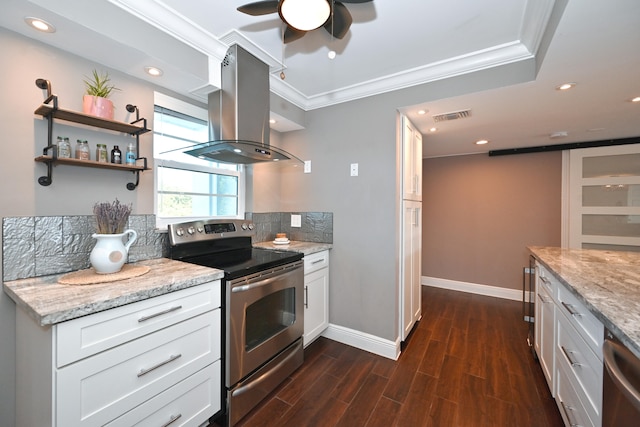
466 363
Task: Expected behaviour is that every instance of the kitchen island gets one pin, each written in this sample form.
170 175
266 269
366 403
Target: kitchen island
607 282
143 350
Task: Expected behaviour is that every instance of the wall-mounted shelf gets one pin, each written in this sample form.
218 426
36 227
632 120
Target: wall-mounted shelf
52 112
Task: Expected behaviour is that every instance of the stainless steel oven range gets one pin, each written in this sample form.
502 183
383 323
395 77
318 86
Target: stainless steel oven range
262 305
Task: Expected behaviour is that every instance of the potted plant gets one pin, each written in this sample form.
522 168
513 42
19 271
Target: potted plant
98 89
110 252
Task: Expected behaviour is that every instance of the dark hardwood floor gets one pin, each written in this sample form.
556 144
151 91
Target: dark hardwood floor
466 363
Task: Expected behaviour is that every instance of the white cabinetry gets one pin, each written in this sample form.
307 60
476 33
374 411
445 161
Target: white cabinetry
545 324
411 161
573 365
148 362
316 298
410 290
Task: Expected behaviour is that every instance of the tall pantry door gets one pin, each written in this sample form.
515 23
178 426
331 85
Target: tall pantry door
410 290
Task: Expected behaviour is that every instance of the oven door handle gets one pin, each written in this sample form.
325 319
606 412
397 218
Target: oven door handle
611 352
261 283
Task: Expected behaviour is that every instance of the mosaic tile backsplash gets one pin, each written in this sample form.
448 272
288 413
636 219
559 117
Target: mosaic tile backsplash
43 245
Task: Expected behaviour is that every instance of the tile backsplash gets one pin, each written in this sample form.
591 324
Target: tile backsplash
42 245
315 227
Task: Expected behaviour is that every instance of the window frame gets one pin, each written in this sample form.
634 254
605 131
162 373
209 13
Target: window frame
192 110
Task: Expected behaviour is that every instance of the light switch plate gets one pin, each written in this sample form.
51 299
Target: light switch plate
296 220
307 166
354 169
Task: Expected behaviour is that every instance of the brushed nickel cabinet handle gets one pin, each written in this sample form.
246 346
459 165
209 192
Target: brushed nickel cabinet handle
171 358
568 411
568 354
160 313
571 309
306 297
172 420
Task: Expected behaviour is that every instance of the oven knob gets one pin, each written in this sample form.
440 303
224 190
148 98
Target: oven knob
200 230
180 232
244 226
251 226
191 230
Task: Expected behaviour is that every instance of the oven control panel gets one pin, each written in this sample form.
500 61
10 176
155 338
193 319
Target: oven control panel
194 231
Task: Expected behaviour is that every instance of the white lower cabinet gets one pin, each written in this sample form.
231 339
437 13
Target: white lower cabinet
153 362
573 363
316 298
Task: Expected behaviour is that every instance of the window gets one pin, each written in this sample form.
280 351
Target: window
187 187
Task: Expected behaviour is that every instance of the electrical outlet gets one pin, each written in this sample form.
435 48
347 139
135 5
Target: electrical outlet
296 220
307 166
354 169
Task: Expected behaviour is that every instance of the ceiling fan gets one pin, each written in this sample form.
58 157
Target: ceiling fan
302 16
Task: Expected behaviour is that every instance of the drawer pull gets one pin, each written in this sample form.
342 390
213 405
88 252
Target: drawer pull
568 355
160 313
568 411
317 261
571 309
544 299
172 420
169 360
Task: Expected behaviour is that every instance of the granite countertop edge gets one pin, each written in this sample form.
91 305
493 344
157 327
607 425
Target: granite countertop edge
607 282
49 302
307 248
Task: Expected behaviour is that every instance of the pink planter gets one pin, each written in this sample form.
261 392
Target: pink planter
97 106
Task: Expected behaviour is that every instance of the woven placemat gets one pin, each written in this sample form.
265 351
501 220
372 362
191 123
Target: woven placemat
90 277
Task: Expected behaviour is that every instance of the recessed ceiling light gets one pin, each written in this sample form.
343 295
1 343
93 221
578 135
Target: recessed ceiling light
272 121
422 112
482 142
565 86
40 24
433 129
153 71
636 99
331 54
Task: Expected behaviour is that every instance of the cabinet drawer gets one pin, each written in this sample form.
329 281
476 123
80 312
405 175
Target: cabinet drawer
85 336
546 280
581 365
582 319
190 402
98 389
316 261
571 408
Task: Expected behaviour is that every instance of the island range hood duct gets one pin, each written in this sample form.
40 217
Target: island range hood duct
239 114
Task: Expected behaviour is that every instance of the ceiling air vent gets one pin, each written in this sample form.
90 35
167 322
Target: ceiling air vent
454 115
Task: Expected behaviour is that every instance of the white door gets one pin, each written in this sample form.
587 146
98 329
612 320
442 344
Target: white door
411 161
410 287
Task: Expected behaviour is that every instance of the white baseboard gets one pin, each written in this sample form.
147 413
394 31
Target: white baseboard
391 349
363 341
475 288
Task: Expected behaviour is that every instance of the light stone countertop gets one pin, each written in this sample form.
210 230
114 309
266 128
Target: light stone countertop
49 302
306 248
607 282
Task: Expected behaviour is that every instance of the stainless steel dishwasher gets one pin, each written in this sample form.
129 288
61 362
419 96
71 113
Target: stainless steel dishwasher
621 385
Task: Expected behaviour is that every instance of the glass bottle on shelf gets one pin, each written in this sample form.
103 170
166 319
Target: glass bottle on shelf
130 157
116 155
64 149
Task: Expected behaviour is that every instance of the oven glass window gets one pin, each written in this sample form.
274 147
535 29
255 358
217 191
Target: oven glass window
268 316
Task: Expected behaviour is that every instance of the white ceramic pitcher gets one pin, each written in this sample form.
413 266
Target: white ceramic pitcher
110 253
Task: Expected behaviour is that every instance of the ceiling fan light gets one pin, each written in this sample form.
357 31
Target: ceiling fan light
305 15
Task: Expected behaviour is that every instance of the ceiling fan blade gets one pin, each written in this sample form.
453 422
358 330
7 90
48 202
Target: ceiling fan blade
291 34
259 8
339 25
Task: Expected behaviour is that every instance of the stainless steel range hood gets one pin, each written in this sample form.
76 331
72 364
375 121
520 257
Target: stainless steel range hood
239 114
